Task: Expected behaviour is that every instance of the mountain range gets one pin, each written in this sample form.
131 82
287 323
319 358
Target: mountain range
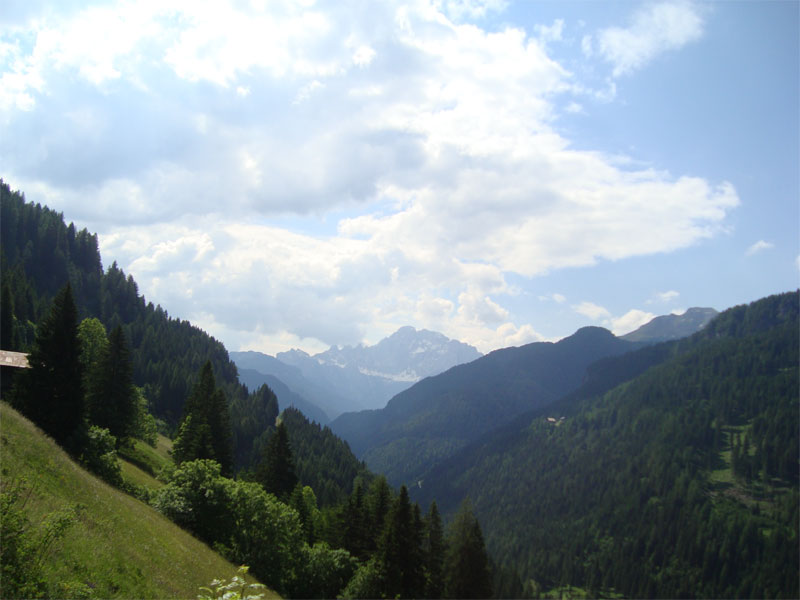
353 378
440 414
437 416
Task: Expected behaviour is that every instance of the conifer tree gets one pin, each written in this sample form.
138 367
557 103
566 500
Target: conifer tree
399 551
111 398
50 393
205 432
8 339
434 546
356 529
221 433
379 502
466 567
276 470
94 342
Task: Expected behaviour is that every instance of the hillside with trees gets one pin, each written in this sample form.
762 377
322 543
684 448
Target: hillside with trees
680 482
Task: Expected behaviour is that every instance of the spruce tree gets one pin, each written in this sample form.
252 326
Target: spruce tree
8 339
434 546
276 471
466 567
50 393
111 398
399 551
205 431
221 433
356 529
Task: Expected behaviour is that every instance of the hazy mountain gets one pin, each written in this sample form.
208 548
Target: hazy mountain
353 378
672 327
440 414
286 397
317 393
407 355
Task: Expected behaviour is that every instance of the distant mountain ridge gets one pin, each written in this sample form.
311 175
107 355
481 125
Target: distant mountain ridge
355 378
440 414
407 355
672 327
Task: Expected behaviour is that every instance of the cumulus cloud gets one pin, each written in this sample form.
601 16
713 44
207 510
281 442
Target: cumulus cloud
655 28
759 246
630 321
664 297
294 171
592 310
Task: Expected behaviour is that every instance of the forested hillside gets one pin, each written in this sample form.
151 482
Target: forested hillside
323 461
439 415
682 482
40 253
89 390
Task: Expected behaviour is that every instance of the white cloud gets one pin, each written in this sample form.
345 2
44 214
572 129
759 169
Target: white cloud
459 10
550 33
655 28
328 172
630 321
759 246
591 310
664 297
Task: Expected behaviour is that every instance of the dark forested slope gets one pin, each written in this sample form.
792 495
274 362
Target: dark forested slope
40 254
322 460
682 482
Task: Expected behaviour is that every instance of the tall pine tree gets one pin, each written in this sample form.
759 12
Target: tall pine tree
276 470
466 567
399 551
434 547
205 431
50 393
111 398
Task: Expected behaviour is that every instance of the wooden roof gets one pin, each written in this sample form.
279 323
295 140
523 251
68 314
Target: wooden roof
13 359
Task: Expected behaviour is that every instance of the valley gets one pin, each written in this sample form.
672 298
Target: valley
662 463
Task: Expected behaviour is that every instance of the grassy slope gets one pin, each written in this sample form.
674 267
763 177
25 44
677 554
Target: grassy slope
119 546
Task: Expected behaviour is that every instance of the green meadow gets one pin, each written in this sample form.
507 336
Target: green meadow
117 546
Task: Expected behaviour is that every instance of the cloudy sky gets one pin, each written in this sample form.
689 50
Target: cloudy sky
303 174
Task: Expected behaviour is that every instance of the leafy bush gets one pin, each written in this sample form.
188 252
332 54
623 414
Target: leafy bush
366 583
325 572
100 455
198 499
235 589
266 534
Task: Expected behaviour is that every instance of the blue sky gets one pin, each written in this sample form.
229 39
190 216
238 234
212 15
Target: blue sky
304 174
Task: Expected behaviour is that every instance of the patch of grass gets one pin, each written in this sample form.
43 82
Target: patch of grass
118 547
133 474
149 459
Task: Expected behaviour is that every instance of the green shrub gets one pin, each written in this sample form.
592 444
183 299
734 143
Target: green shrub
235 589
368 582
325 571
100 455
198 498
